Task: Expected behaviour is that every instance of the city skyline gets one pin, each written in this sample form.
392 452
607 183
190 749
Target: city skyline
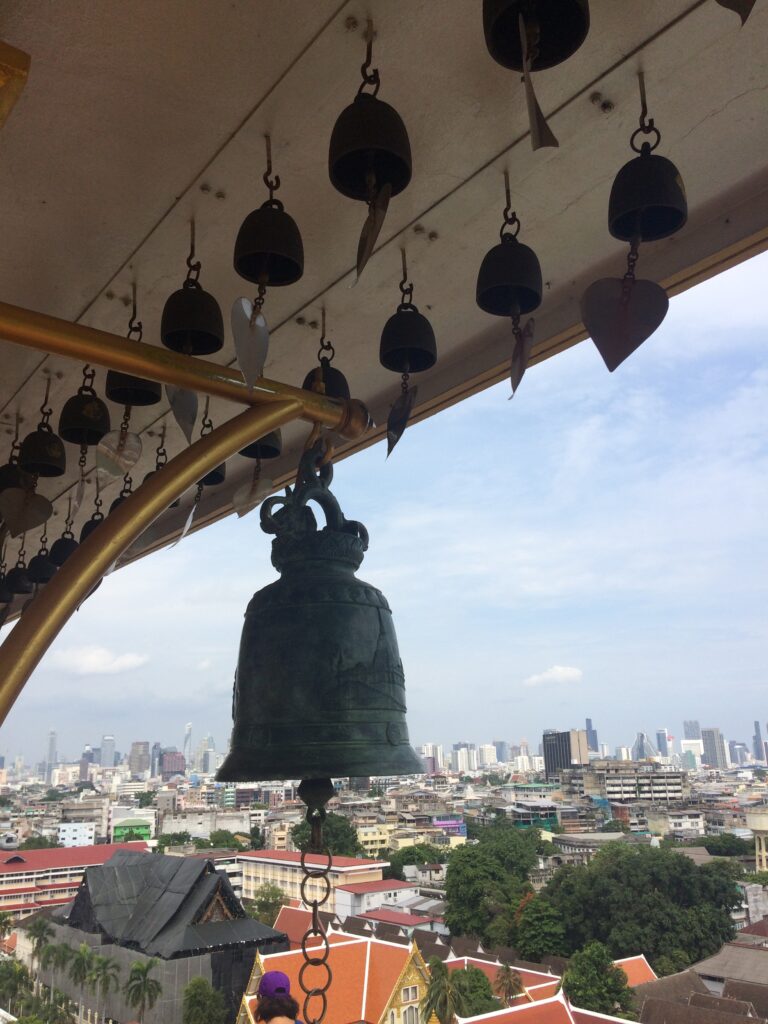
596 541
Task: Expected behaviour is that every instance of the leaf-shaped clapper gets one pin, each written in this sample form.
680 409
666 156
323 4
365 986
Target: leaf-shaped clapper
251 494
23 510
741 7
521 353
377 211
619 324
541 134
251 337
116 454
398 417
183 405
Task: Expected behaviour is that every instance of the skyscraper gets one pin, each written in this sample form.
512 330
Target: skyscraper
662 742
502 750
592 743
154 760
51 757
737 752
187 748
691 730
139 759
758 751
107 751
564 749
714 749
642 748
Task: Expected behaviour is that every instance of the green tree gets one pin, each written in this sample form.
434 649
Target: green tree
257 838
146 799
80 970
614 825
266 903
478 994
172 839
142 991
223 839
444 997
15 984
421 853
338 834
637 899
540 930
593 982
507 984
38 843
55 955
725 845
103 978
132 837
6 923
203 1004
40 933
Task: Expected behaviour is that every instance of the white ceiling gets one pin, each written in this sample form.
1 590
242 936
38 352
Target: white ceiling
138 116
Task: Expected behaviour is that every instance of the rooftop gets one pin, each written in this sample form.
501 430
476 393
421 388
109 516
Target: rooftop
293 858
14 861
378 885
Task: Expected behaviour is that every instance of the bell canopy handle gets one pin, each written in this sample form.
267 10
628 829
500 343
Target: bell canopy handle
313 482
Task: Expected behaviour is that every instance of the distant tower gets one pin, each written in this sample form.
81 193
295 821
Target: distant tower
758 751
51 757
714 749
642 748
691 730
662 742
592 736
107 751
187 748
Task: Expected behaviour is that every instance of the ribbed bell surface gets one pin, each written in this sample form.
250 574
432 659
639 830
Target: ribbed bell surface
369 146
408 341
509 280
560 27
648 199
192 322
268 248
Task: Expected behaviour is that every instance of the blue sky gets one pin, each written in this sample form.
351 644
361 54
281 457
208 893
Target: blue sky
595 547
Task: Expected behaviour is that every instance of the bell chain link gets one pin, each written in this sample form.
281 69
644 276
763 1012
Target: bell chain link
193 265
629 277
647 127
45 410
316 794
510 226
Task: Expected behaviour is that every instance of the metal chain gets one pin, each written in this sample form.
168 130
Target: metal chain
629 277
134 326
44 542
326 350
193 266
68 521
207 424
89 376
369 77
45 409
315 793
273 184
161 455
510 227
22 559
516 330
647 127
258 302
406 286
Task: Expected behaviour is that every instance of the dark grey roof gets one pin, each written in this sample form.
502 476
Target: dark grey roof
675 988
155 904
710 1002
751 992
741 963
660 1011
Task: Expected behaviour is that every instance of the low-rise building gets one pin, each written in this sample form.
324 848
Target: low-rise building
283 869
76 833
355 898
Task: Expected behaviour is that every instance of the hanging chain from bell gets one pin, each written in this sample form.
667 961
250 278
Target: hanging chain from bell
193 265
161 455
647 126
273 184
406 300
315 793
510 228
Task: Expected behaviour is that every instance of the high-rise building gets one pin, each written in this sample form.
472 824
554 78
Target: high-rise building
434 751
187 748
737 752
487 755
154 760
139 759
642 748
107 751
714 749
51 756
662 742
502 750
563 750
691 730
592 736
758 751
172 763
691 752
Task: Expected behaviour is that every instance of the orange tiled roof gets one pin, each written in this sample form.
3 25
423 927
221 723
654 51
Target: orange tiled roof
490 969
294 922
637 970
365 972
550 1011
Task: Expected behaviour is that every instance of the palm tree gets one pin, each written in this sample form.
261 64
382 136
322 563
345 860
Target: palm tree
6 923
15 983
507 984
79 971
40 933
104 976
443 998
142 992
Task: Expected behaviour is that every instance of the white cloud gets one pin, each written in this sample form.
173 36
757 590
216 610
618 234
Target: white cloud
556 674
96 661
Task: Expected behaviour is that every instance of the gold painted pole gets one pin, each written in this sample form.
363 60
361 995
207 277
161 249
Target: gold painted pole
88 345
41 623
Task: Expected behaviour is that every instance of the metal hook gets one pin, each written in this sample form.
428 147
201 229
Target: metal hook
193 266
406 286
273 184
369 77
134 326
510 217
646 123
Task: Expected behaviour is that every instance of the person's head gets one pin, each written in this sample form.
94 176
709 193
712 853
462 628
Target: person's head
277 1009
274 983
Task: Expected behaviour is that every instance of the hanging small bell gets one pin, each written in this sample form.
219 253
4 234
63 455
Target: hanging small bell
84 420
268 248
215 476
320 689
559 26
124 388
408 341
42 453
192 322
268 447
125 492
90 525
41 568
17 580
11 475
509 280
369 149
6 594
647 199
66 544
325 379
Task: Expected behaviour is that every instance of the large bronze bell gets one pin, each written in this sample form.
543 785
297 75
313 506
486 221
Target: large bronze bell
559 26
319 690
192 322
42 453
369 149
408 341
509 281
647 199
268 248
125 389
325 379
268 447
84 419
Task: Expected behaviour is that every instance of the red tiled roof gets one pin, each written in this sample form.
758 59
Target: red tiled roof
538 992
637 970
379 885
294 857
396 917
530 979
294 922
365 972
12 861
550 1011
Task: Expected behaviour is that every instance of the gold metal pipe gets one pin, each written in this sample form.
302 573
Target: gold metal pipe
89 345
41 623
